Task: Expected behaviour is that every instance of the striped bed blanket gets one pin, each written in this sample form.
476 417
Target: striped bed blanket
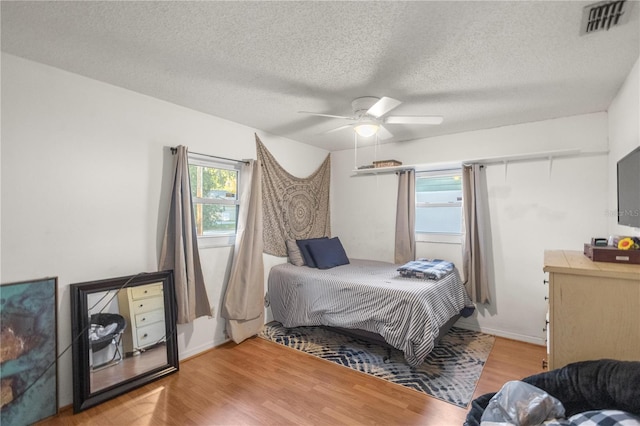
371 296
427 269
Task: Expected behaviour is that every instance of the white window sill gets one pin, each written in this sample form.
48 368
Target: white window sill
218 241
439 238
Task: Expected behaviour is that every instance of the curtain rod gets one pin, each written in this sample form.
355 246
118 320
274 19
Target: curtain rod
174 150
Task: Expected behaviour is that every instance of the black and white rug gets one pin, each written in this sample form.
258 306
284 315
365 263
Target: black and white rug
450 372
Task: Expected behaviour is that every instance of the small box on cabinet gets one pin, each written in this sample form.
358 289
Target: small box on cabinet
611 254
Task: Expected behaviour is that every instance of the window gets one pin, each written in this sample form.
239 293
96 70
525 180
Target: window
214 190
439 202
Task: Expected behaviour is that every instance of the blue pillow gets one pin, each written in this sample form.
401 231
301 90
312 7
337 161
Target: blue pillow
304 251
328 253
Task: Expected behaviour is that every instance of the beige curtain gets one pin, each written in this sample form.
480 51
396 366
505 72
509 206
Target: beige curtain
405 249
180 247
474 255
243 305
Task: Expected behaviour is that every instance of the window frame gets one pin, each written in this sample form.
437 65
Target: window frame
440 237
223 239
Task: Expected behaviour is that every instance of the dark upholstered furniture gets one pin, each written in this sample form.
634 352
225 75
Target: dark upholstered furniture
582 386
113 338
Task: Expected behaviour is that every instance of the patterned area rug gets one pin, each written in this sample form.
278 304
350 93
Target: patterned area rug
450 372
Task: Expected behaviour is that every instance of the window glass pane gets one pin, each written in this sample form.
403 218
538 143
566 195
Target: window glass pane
215 219
439 219
438 203
214 189
438 189
213 183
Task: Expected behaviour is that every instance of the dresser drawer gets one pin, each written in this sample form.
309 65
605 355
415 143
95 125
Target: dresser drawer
144 291
145 305
150 317
150 334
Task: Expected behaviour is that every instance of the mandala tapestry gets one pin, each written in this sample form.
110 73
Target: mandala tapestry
293 208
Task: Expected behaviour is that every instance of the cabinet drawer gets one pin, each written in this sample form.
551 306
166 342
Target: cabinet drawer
145 305
144 291
150 334
149 317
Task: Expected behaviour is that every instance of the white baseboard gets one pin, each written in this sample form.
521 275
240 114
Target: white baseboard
501 333
202 348
460 323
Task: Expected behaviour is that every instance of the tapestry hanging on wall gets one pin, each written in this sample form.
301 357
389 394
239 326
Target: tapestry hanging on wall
29 346
293 208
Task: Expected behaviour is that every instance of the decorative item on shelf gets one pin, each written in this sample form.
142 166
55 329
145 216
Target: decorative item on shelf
387 163
599 242
613 241
611 254
366 166
629 243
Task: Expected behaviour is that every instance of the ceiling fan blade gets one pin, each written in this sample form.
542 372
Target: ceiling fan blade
325 115
414 119
383 133
336 129
383 106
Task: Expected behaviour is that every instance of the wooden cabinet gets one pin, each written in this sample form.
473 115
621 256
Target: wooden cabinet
594 309
143 309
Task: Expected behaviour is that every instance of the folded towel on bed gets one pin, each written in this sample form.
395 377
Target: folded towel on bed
424 268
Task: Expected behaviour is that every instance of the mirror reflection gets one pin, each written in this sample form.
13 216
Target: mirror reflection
126 330
126 333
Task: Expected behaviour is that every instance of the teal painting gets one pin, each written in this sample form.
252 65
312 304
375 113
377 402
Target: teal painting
28 350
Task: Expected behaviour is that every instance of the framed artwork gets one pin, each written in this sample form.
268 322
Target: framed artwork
28 351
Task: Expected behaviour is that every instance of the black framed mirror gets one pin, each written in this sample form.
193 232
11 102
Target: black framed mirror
124 335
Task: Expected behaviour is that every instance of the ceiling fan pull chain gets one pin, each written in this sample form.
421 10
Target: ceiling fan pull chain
355 151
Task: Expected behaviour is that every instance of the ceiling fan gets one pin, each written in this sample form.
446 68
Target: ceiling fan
369 117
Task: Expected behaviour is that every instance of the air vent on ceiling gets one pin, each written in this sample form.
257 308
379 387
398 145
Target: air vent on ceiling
604 15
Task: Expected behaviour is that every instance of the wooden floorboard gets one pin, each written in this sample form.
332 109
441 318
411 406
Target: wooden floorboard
262 383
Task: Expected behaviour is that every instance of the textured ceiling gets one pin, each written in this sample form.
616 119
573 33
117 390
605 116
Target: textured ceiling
479 64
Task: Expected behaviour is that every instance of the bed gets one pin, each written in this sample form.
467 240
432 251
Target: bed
369 296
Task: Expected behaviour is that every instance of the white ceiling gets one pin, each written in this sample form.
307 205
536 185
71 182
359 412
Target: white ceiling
479 64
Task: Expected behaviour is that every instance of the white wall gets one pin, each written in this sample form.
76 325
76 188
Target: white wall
533 206
624 136
86 171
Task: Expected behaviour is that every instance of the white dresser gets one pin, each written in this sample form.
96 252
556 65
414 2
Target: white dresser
594 309
143 308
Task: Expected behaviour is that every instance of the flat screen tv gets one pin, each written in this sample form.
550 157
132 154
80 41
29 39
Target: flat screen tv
629 189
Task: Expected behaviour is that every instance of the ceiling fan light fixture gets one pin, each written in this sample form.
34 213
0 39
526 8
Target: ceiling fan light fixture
366 129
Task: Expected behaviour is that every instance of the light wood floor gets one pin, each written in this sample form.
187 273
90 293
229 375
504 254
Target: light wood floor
128 367
263 383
